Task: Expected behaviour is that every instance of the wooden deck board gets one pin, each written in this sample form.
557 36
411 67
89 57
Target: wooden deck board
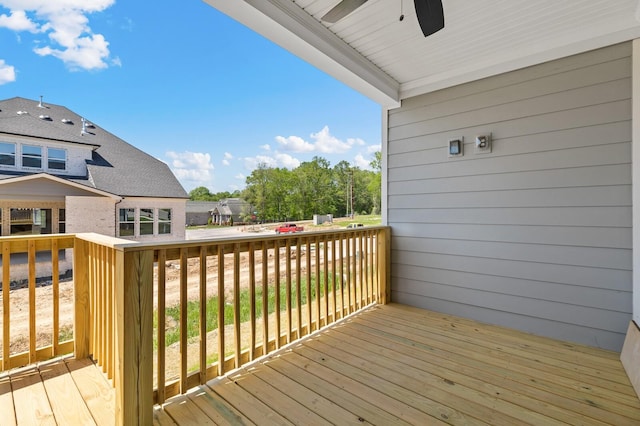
390 364
30 399
96 391
67 403
6 402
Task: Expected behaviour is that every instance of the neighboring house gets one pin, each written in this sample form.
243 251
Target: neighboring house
230 209
199 212
62 173
532 227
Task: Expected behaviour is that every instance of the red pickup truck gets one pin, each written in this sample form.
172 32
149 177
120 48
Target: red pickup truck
288 228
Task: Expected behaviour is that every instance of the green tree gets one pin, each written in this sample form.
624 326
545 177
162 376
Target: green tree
200 193
375 186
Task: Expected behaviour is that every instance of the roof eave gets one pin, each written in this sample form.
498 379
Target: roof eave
287 25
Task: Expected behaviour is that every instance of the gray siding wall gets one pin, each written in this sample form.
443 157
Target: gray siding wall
537 234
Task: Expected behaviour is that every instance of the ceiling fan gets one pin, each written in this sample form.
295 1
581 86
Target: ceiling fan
429 12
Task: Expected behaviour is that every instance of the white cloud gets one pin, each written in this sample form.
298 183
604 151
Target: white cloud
240 176
322 142
227 157
295 144
277 160
374 148
7 73
18 21
266 147
285 160
65 22
362 162
191 168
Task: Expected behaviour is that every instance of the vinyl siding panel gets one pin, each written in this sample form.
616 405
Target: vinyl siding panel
536 234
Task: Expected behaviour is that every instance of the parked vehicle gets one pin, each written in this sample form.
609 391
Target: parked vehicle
354 225
288 228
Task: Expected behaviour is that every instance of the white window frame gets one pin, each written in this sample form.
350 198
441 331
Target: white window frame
64 160
23 155
15 148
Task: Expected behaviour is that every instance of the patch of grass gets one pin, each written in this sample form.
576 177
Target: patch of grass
172 313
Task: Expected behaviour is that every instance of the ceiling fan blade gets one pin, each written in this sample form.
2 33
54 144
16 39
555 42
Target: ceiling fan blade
341 10
430 16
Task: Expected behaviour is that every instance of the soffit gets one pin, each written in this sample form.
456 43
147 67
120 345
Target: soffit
389 60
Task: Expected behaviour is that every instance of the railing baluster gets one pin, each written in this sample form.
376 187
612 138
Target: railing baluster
6 306
236 303
325 264
221 306
354 259
308 290
183 319
299 285
203 314
317 287
101 305
32 300
364 294
341 272
288 288
334 312
162 266
265 299
276 269
252 302
55 287
348 267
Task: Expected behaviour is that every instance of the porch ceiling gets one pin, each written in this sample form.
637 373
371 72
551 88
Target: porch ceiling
389 60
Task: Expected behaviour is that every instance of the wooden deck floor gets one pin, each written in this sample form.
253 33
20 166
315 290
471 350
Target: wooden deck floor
394 365
60 392
389 365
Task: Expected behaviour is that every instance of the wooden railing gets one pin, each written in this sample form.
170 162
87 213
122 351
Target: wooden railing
41 336
162 318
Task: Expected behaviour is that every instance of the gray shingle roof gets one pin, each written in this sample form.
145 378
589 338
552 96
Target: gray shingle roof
231 206
116 167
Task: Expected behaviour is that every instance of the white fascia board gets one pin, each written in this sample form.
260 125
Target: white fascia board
286 24
494 66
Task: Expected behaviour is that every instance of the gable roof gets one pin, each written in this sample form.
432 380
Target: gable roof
389 60
45 177
117 167
230 206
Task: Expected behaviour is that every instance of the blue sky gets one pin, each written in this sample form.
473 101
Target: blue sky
184 83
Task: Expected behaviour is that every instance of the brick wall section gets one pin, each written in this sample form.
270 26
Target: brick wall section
91 214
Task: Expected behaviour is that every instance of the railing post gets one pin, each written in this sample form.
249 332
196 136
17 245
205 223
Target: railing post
134 328
384 263
81 323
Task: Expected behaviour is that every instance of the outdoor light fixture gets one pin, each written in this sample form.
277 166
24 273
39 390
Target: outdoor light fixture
456 147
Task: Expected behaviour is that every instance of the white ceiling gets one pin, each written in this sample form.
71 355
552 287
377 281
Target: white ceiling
389 60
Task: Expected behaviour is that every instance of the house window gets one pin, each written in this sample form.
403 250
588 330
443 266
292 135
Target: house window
127 221
62 219
146 221
56 159
32 156
7 154
164 221
30 221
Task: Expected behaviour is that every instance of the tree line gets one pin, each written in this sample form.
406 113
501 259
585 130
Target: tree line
314 187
